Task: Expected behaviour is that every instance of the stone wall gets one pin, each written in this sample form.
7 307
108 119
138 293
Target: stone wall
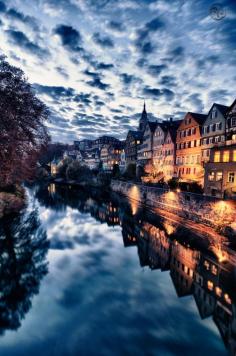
219 214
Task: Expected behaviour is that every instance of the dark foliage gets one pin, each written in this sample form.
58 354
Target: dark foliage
23 246
22 131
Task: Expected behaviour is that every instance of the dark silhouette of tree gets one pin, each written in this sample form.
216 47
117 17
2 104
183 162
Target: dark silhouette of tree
115 171
23 249
22 131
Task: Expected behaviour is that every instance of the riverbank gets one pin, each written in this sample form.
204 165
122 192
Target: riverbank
12 202
212 212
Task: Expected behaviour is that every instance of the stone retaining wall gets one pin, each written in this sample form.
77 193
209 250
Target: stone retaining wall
219 214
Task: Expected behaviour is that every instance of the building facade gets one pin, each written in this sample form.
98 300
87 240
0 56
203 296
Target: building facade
114 154
213 130
188 148
104 140
145 149
231 123
92 158
169 152
132 142
104 157
220 172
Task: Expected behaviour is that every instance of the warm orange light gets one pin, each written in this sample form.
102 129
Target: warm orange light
227 298
170 229
218 291
210 285
134 198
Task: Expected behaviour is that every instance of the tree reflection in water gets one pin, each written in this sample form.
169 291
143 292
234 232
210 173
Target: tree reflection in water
23 249
194 268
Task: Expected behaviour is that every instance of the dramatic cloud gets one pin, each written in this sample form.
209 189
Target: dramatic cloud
19 39
93 62
70 38
103 41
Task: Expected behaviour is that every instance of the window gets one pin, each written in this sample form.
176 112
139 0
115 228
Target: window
234 155
219 176
211 176
226 156
217 139
214 270
217 156
231 176
210 285
214 114
210 140
206 264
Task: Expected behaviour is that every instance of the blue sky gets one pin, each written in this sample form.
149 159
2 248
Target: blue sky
93 62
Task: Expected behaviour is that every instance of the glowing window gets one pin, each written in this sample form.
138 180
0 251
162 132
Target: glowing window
219 176
211 176
206 264
234 155
214 269
217 156
227 299
218 291
226 156
210 285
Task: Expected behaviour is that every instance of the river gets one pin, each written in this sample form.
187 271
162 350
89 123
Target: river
87 274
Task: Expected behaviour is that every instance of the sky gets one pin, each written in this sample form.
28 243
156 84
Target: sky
94 62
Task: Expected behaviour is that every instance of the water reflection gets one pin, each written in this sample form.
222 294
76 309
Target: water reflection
194 269
23 249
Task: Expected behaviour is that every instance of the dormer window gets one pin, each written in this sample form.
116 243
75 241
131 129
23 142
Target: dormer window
214 114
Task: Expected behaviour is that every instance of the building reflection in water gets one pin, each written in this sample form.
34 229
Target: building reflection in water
162 245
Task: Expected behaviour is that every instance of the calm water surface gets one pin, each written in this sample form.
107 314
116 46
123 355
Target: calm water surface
81 275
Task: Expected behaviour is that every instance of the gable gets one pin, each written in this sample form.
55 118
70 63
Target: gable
188 121
232 108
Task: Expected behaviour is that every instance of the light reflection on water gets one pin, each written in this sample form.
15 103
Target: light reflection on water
118 285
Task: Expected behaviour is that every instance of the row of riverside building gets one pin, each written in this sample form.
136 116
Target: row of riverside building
199 148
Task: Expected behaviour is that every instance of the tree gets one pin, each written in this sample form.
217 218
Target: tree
115 171
130 172
22 131
62 167
23 264
79 172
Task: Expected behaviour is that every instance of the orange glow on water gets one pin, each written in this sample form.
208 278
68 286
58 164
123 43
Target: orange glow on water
134 198
170 229
223 208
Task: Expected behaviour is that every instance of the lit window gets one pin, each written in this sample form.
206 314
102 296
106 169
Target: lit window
226 156
234 155
214 269
210 285
231 177
217 156
218 291
206 264
219 176
227 299
211 176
